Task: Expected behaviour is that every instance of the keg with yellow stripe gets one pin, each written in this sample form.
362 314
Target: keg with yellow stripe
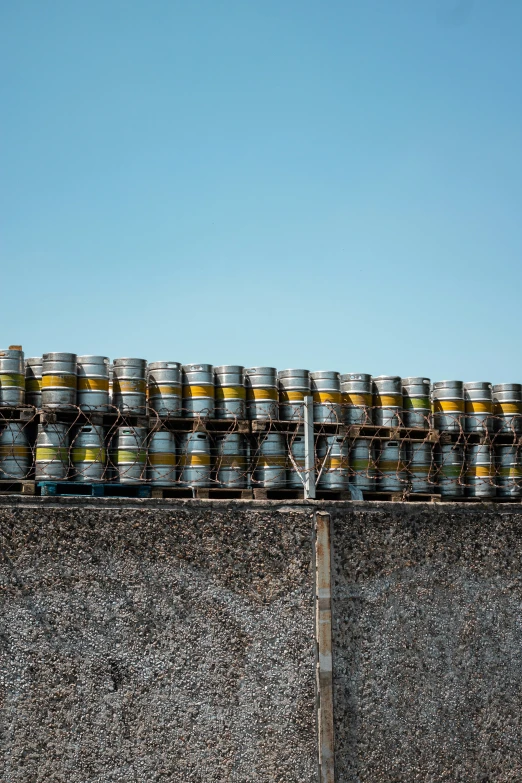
59 380
507 407
387 400
478 398
52 452
88 454
230 389
198 391
296 476
93 383
294 386
448 405
33 381
194 459
164 388
326 391
15 454
449 462
262 394
230 460
416 406
363 472
509 471
333 462
128 453
161 459
12 377
393 475
269 461
419 459
356 396
129 385
480 471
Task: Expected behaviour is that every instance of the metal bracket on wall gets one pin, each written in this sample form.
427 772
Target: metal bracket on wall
323 632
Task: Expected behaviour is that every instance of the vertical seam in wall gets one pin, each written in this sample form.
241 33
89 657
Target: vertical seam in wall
323 635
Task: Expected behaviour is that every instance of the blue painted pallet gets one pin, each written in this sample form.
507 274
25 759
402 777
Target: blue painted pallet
78 488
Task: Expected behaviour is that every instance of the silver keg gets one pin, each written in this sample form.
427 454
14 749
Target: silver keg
356 397
15 454
261 393
270 461
88 454
449 461
478 399
52 452
59 380
416 406
164 388
93 383
230 466
419 456
229 381
448 405
12 377
393 476
333 462
161 459
326 391
129 387
194 459
480 471
129 454
296 472
363 473
387 400
198 391
33 381
507 407
294 386
509 471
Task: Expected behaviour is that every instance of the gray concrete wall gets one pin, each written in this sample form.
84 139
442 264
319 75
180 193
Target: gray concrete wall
144 642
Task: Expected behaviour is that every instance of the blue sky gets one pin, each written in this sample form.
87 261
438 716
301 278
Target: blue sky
324 185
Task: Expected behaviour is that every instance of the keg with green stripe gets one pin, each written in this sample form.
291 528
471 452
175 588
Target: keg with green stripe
507 407
269 461
59 375
356 398
128 452
387 400
295 475
161 459
129 385
261 393
392 472
421 468
478 399
88 454
15 454
229 381
449 464
333 462
230 460
33 381
326 391
363 472
164 389
416 406
198 391
194 459
509 471
12 377
448 405
52 452
93 383
480 471
294 386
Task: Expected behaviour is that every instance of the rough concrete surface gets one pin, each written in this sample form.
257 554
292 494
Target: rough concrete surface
427 634
143 643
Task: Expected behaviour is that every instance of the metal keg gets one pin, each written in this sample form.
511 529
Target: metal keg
194 459
449 462
333 462
296 473
416 407
198 391
52 452
294 386
270 461
33 381
507 407
480 471
356 397
261 393
111 385
387 400
161 459
419 456
231 467
326 391
164 388
230 392
393 476
15 454
509 471
59 380
363 473
129 385
478 398
93 383
448 405
128 453
88 454
12 377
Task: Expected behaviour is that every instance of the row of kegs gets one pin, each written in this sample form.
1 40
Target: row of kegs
65 380
272 460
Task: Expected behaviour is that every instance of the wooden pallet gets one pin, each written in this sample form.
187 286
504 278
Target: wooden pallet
402 497
76 416
201 425
262 493
202 493
17 487
19 413
77 488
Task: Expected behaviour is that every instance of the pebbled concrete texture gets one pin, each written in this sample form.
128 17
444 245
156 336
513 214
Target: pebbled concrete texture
427 636
144 642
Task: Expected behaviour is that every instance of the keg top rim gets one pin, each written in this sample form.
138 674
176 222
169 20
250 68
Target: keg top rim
85 358
439 383
292 371
197 367
415 380
323 373
387 378
507 387
127 360
34 360
261 370
223 369
165 365
54 356
361 376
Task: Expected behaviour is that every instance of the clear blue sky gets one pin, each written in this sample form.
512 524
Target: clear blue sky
332 185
